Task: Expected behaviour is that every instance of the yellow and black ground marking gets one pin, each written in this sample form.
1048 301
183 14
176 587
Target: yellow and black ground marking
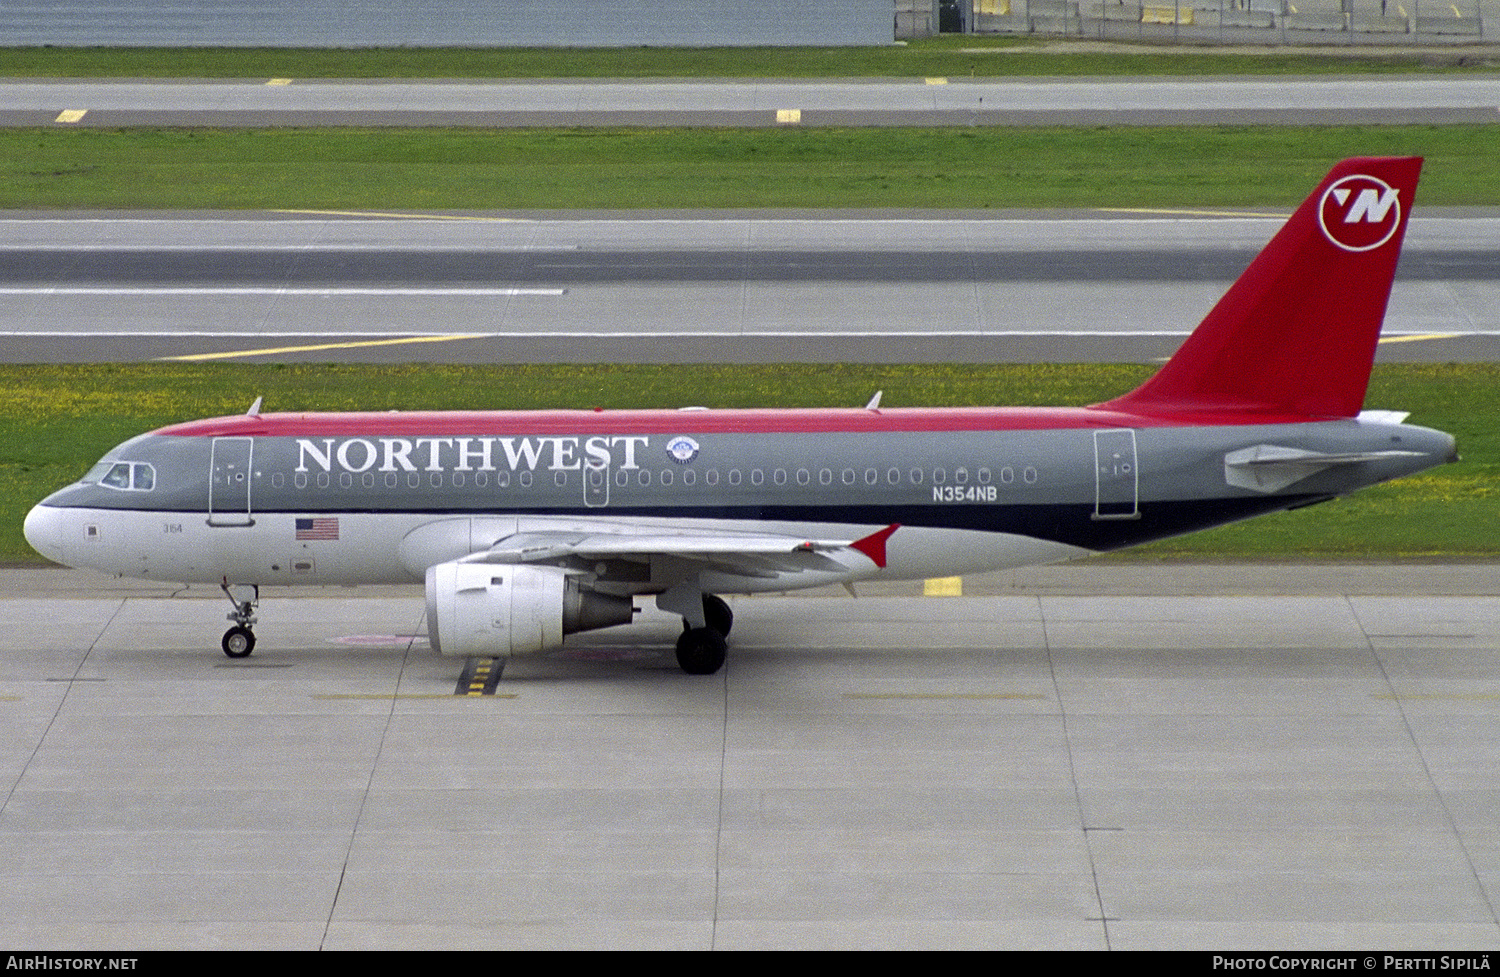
480 676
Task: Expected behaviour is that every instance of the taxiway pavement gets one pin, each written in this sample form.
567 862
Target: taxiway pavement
1353 100
1093 756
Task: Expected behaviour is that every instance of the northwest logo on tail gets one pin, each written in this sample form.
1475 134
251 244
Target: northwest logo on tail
1359 213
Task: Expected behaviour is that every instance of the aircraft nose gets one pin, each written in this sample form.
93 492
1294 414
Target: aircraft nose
43 529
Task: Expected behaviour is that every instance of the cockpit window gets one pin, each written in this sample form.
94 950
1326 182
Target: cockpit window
123 475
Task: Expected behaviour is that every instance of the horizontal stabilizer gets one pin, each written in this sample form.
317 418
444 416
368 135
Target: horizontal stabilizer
1272 467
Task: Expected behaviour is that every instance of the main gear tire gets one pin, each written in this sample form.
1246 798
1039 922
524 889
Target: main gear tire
701 651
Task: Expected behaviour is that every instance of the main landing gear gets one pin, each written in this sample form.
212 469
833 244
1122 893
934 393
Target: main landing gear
239 640
701 650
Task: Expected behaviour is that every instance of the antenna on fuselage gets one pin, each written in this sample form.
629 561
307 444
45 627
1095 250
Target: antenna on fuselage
254 410
874 403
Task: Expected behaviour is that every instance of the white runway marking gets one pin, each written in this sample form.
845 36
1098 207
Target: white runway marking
1393 337
297 248
262 290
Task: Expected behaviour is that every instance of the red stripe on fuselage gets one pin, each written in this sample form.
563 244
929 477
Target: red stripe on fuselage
811 421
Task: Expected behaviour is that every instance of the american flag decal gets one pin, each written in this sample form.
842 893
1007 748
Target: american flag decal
323 527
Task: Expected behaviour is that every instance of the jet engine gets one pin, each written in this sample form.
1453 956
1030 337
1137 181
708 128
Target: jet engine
488 611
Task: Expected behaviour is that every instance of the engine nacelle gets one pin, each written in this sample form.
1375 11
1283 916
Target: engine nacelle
488 611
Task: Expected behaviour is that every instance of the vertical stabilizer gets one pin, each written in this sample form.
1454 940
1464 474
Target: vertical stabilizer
1297 332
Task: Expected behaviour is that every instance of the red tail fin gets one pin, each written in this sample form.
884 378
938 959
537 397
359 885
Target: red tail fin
1297 333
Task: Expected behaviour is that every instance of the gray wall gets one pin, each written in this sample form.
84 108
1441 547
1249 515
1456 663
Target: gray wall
478 23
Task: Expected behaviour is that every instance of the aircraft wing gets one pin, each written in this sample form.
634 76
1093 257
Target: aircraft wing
735 554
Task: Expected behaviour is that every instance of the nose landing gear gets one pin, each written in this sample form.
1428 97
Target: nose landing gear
239 640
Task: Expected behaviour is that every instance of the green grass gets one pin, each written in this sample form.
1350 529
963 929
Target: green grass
479 169
1444 512
951 56
55 421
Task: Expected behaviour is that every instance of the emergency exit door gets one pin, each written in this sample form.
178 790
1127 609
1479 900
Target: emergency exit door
1116 475
229 482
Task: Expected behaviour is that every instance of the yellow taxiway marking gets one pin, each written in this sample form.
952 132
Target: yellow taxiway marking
279 81
943 587
788 117
409 217
71 115
234 353
936 81
1420 338
1190 213
944 695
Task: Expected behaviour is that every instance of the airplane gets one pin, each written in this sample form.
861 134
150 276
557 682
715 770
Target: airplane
527 526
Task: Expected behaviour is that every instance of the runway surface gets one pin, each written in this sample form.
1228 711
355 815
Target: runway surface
1073 286
685 288
1408 99
1099 756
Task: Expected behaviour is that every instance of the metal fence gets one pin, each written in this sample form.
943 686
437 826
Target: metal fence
1258 22
355 23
